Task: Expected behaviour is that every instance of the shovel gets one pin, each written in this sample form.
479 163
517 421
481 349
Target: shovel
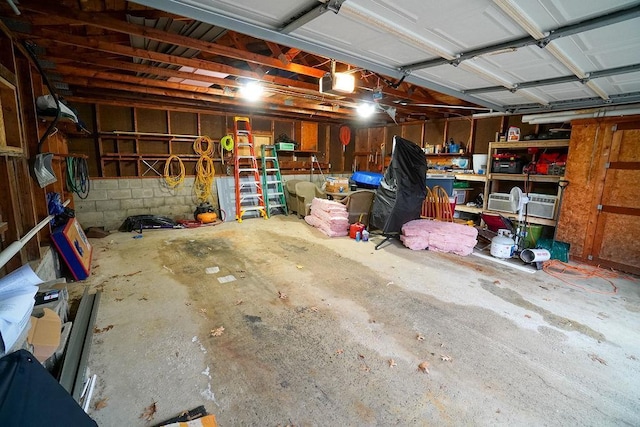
42 168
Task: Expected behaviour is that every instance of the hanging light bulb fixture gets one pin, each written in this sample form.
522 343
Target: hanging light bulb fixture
251 91
366 109
335 83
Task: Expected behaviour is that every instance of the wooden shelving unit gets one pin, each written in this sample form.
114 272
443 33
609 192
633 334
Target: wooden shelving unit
468 209
523 177
491 181
471 177
136 141
548 183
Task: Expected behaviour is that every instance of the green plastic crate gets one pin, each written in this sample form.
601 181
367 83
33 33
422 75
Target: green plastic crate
285 146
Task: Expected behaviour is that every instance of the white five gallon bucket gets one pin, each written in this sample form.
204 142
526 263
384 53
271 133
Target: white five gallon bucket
480 163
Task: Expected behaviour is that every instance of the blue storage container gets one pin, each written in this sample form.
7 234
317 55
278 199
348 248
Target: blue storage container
366 179
444 181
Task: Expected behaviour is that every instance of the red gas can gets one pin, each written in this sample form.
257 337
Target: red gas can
354 228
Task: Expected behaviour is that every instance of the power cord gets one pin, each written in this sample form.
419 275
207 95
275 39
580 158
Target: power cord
78 181
205 170
173 181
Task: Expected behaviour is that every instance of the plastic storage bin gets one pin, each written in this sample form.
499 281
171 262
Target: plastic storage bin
461 195
444 181
366 179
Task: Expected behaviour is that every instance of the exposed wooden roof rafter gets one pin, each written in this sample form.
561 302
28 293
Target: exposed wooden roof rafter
93 43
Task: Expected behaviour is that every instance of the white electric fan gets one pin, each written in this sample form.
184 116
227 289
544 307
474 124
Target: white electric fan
518 201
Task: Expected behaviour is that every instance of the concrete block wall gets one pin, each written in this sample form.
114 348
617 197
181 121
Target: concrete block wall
112 200
48 268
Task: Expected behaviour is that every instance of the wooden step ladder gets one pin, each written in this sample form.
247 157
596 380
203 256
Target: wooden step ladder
274 199
249 195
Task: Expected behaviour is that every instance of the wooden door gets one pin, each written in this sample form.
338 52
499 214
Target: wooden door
308 136
617 236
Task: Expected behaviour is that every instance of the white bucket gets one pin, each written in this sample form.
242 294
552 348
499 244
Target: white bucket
535 255
480 163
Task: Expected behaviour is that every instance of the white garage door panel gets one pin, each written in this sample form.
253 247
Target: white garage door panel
526 64
564 91
550 14
609 47
624 83
455 77
272 14
506 98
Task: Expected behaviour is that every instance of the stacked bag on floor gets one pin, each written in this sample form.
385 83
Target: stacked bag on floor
329 216
439 236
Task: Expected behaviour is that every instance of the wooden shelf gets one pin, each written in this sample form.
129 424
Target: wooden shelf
470 177
523 177
134 156
530 219
446 155
548 143
133 135
468 209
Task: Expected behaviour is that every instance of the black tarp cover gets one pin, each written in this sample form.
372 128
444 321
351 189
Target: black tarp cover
30 396
402 190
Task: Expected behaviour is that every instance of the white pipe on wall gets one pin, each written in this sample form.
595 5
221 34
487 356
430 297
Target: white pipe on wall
566 116
15 247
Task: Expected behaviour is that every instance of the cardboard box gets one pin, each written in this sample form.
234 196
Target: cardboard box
44 335
334 185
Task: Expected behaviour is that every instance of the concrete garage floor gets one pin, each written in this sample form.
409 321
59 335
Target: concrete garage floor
502 347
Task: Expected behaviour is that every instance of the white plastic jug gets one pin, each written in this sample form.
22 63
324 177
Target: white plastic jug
480 163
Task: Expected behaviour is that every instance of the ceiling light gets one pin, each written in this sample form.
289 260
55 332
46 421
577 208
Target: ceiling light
344 82
251 91
337 84
365 109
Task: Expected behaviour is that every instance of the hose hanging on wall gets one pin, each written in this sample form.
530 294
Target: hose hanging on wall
227 142
205 170
173 181
78 176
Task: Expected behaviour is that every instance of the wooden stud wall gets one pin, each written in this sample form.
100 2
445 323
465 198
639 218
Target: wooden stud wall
128 139
22 202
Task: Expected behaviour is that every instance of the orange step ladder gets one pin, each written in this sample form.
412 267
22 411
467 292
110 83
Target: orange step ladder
249 194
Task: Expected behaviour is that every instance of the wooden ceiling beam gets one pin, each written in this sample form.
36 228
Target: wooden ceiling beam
292 53
59 56
77 59
240 45
70 71
133 90
111 24
92 43
284 57
188 106
71 74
